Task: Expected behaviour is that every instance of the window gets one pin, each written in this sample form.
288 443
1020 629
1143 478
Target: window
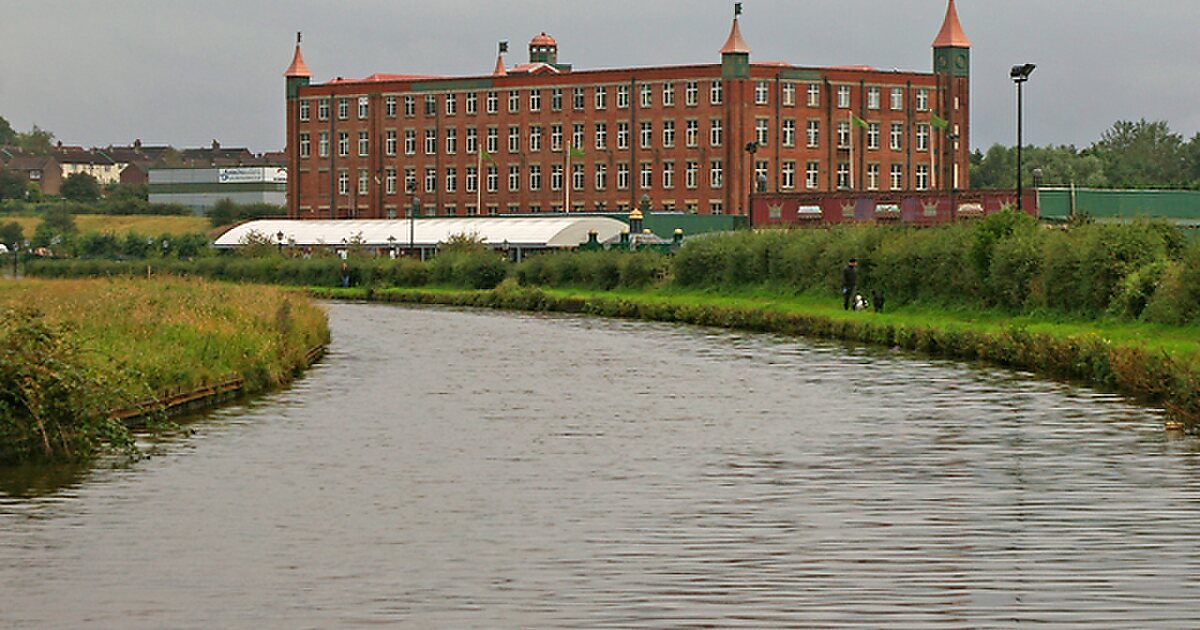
716 207
601 98
668 179
389 104
363 107
431 142
343 108
472 183
577 99
897 99
922 100
343 143
647 179
690 93
873 97
787 175
761 131
715 174
389 181
323 144
514 177
514 139
492 103
647 95
622 96
472 103
535 177
451 104
556 99
843 175
431 104
873 176
430 179
789 94
323 109
647 137
577 176
556 137
623 176
668 95
622 135
873 135
577 135
601 136
451 141
535 100
472 140
410 179
410 106
535 138
689 174
691 133
601 176
714 93
897 177
814 133
451 179
305 145
789 132
843 96
760 171
761 91
812 174
343 182
897 138
922 176
493 178
714 132
493 140
668 133
556 177
304 110
514 101
843 131
922 136
364 145
814 95
410 142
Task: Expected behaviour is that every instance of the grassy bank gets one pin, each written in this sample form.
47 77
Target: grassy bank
74 354
1155 364
123 224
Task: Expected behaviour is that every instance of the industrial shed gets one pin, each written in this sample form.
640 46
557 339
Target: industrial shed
514 234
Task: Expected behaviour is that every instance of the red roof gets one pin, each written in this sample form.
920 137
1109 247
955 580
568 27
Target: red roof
543 40
297 69
499 71
735 43
381 78
951 34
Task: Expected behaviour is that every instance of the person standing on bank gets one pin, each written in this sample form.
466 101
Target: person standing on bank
849 282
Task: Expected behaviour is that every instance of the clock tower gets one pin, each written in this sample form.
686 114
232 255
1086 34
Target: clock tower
952 66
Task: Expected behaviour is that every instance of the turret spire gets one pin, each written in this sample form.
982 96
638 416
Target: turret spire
951 35
297 69
499 71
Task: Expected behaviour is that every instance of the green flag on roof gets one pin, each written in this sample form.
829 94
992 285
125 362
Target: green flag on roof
937 122
576 152
857 122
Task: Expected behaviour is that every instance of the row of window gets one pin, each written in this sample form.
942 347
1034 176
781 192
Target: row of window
715 206
578 95
600 177
646 133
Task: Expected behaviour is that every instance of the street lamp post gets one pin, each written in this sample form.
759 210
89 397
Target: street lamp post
1019 75
751 148
412 223
392 245
952 141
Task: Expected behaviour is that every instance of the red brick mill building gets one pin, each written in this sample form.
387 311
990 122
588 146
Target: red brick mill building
543 137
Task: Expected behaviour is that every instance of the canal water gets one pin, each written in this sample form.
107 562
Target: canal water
462 469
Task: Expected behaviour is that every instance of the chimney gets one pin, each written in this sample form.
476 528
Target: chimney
216 145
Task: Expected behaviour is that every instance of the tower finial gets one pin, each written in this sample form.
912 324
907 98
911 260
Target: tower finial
737 9
297 38
503 48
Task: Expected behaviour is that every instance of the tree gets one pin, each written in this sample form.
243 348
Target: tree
12 185
56 229
1142 155
11 234
7 135
36 141
80 187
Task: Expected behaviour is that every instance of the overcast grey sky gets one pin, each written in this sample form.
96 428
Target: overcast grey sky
185 73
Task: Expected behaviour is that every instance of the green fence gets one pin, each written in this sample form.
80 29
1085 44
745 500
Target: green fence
1179 206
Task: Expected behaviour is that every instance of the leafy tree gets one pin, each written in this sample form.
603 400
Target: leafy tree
1142 155
1061 166
12 185
11 234
36 141
7 135
57 229
80 187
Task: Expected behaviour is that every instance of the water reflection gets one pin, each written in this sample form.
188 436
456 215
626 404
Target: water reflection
459 469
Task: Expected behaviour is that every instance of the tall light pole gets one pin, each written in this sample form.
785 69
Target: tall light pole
1019 75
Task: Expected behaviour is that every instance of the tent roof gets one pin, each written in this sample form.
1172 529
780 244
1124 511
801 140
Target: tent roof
524 231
